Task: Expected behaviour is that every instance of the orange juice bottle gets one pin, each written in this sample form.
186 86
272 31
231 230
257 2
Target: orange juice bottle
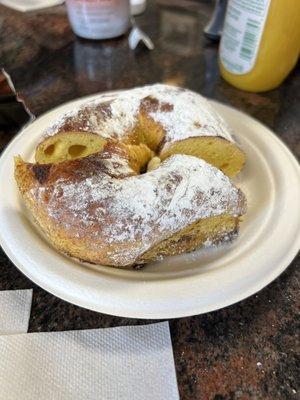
260 43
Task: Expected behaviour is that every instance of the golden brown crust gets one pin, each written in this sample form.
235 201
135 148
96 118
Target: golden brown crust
86 209
93 200
158 116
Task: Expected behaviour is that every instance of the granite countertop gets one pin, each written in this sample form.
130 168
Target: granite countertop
246 351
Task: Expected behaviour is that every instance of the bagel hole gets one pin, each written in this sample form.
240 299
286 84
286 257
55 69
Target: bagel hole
76 150
143 170
49 150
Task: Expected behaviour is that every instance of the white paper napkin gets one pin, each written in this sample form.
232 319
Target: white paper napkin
15 308
124 363
30 5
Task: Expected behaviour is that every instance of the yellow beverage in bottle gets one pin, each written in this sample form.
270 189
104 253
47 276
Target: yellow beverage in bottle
260 43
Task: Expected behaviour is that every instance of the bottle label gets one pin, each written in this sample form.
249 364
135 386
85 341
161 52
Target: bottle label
243 29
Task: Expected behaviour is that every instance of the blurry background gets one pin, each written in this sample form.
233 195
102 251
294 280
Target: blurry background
43 55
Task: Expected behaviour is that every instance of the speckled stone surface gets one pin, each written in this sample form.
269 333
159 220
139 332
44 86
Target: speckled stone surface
247 351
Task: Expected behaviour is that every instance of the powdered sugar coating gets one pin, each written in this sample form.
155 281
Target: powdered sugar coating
128 216
189 114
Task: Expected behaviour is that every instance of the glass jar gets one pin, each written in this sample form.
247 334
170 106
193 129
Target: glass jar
99 19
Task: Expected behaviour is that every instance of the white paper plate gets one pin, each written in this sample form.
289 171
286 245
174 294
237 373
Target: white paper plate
178 286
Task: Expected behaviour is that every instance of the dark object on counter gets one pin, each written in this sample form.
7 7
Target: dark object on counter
13 112
213 30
